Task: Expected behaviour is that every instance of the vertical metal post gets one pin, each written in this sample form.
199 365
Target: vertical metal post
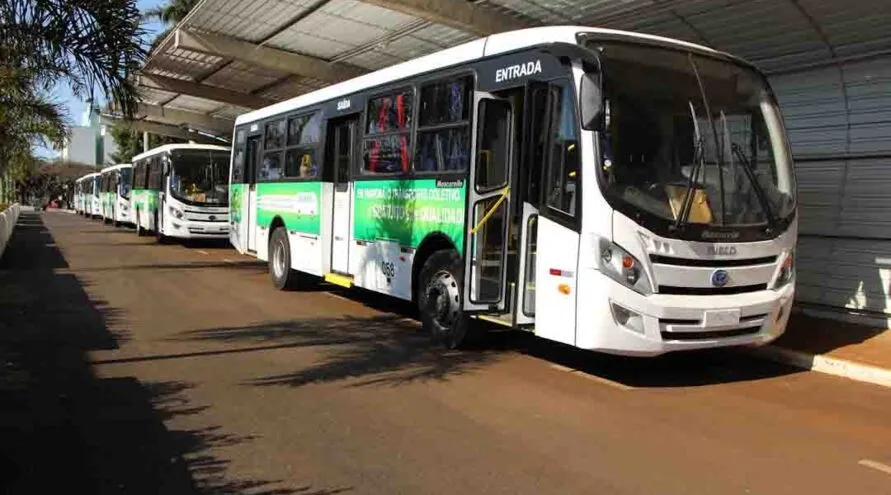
145 141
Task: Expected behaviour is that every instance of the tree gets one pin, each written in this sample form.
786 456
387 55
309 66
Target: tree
171 12
92 45
130 143
44 181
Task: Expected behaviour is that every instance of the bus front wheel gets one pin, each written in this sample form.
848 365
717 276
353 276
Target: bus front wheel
440 292
283 277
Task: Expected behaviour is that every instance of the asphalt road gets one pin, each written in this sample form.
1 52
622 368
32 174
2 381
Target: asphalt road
133 367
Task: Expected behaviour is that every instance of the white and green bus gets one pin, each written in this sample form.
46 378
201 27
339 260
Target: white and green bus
614 191
90 196
181 190
79 196
115 193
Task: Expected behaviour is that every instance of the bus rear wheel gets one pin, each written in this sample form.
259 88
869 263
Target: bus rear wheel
439 299
283 277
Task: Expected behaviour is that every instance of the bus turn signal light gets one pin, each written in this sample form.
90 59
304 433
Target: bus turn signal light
564 289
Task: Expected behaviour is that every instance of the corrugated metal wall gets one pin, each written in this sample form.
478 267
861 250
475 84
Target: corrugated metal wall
839 121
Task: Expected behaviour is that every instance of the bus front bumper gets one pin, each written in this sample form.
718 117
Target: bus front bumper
190 229
629 323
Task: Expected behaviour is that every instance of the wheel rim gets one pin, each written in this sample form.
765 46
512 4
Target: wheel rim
443 299
278 259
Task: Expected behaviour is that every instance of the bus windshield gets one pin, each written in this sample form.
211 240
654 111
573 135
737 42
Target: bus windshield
126 177
200 176
690 139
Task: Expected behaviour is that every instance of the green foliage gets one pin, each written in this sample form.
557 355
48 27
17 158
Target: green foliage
171 12
92 45
43 181
130 142
89 44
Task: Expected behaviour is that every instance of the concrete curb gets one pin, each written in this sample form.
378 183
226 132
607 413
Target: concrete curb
825 364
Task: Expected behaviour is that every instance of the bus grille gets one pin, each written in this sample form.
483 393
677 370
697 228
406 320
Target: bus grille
710 291
712 334
671 260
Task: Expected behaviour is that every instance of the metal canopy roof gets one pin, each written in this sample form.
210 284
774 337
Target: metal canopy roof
230 56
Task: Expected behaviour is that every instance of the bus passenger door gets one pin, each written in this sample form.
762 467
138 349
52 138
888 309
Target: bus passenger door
558 224
488 214
528 194
342 154
249 219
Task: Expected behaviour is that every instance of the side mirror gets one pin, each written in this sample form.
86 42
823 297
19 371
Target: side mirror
591 103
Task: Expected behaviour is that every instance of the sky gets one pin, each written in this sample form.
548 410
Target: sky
74 106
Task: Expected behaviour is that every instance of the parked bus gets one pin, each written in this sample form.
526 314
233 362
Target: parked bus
181 190
115 196
91 191
79 195
613 191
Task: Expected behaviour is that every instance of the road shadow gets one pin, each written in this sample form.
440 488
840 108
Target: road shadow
221 244
32 235
67 429
358 354
678 369
250 266
384 350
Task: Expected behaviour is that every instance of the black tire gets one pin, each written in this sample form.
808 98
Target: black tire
440 301
283 277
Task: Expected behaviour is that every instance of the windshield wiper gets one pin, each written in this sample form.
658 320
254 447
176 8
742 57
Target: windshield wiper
718 147
698 162
759 192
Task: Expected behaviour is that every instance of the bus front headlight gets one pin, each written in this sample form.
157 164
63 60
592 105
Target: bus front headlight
622 267
176 212
787 271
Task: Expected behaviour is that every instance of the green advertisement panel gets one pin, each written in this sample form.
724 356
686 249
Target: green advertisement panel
406 211
298 203
144 199
236 197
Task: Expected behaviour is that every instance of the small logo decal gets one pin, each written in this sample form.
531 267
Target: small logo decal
720 278
212 218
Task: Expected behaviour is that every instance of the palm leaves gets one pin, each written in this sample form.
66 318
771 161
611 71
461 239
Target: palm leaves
171 12
93 45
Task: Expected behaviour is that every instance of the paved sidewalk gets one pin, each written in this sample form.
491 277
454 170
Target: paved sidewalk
858 352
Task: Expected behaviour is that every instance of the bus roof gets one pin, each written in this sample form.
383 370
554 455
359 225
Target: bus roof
467 52
181 146
88 176
115 167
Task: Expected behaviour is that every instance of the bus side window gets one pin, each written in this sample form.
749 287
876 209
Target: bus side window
443 137
562 177
386 146
494 144
238 158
